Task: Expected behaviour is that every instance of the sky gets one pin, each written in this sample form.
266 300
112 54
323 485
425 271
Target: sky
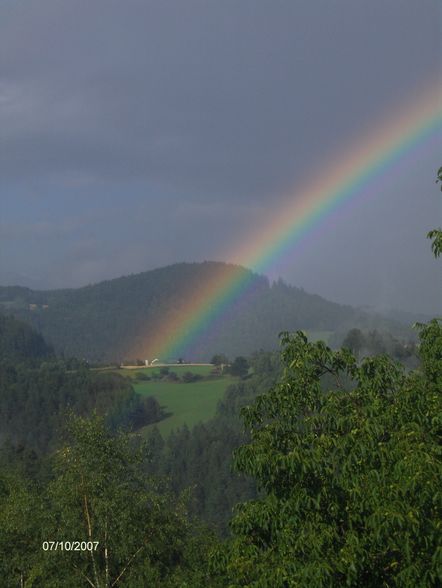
142 133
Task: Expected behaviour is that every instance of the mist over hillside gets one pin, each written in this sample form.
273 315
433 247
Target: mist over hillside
118 318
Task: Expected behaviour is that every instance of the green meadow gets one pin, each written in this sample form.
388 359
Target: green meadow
188 403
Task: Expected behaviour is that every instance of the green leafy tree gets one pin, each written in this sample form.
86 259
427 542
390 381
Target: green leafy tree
239 367
436 234
101 494
350 478
21 531
172 377
354 341
219 360
189 377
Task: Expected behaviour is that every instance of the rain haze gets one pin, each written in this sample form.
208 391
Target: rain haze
138 134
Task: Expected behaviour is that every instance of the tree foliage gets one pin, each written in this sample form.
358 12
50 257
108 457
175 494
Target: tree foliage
375 343
21 530
436 234
19 342
37 390
350 476
239 367
34 401
219 359
99 492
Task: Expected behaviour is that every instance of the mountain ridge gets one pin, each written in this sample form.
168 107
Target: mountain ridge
112 319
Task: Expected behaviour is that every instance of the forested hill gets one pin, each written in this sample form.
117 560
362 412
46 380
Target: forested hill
19 342
38 391
113 320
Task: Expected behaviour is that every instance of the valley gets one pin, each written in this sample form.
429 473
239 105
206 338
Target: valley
184 403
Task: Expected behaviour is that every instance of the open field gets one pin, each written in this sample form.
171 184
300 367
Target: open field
189 403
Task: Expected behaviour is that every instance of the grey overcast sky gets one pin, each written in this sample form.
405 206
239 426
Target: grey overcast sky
138 133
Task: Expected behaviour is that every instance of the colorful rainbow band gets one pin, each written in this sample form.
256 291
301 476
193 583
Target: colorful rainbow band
351 172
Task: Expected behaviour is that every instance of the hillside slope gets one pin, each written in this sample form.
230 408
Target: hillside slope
19 342
38 392
118 318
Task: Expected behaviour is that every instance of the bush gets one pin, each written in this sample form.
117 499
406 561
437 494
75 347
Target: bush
189 377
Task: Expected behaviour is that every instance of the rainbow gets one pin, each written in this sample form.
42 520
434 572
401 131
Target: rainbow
346 177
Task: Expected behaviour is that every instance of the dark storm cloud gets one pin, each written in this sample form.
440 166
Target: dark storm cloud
138 133
228 97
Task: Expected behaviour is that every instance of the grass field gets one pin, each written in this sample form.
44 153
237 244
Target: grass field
189 403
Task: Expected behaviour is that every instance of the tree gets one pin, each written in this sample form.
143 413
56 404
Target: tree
172 377
436 234
189 377
219 360
354 341
21 530
240 367
101 494
349 477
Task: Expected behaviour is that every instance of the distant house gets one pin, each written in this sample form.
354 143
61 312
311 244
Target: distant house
33 306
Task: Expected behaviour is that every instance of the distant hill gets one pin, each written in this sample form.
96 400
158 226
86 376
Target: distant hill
116 319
